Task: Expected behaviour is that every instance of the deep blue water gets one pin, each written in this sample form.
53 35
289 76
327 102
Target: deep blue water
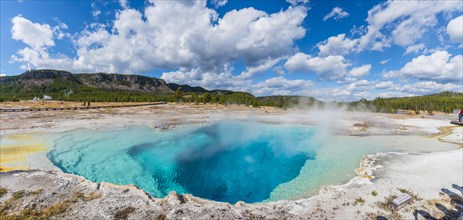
228 161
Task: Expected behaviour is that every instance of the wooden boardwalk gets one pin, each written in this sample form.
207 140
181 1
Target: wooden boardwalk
457 123
75 108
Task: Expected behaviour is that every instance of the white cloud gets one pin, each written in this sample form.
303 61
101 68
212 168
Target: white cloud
455 29
250 72
279 70
360 71
282 86
328 68
195 39
208 80
297 2
337 13
439 66
35 35
385 61
371 89
384 85
414 48
401 22
426 88
59 30
360 30
336 45
95 11
273 35
353 91
2 74
32 58
408 20
219 3
225 80
124 3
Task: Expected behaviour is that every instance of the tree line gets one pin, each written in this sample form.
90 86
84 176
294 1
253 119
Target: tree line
446 102
71 91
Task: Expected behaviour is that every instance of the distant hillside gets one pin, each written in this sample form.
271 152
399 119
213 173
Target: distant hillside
442 102
133 83
63 85
95 87
186 88
57 81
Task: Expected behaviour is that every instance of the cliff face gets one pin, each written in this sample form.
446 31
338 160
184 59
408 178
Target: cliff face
57 78
37 78
133 83
34 79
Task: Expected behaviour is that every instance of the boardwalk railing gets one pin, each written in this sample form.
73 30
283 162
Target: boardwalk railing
75 108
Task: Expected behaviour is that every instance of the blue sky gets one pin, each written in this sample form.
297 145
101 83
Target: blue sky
332 50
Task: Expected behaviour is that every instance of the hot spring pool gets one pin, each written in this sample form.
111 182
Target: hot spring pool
227 161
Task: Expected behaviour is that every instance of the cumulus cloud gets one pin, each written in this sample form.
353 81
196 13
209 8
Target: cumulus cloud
455 29
408 20
403 23
41 58
197 46
208 80
282 86
384 85
272 35
371 89
426 88
337 13
329 68
194 39
336 45
35 35
349 92
439 66
360 71
2 74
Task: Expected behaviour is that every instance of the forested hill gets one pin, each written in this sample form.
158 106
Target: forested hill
63 85
442 102
56 81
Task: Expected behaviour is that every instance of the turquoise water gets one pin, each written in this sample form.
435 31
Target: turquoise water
227 161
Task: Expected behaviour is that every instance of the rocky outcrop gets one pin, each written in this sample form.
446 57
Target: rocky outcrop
133 83
53 194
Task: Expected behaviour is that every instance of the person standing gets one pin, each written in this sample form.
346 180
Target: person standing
460 115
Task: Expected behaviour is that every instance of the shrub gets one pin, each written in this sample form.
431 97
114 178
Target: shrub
358 200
